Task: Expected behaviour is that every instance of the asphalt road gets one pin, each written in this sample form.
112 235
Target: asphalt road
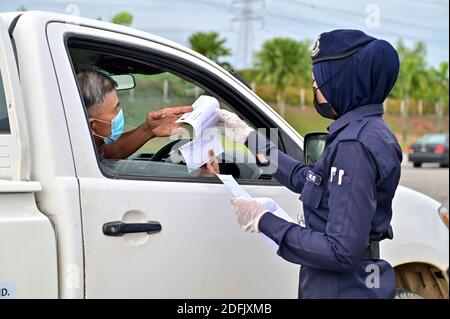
429 179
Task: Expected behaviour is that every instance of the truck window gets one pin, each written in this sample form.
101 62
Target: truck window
156 88
4 123
152 93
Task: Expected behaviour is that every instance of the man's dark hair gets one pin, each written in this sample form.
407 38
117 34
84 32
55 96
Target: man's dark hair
94 86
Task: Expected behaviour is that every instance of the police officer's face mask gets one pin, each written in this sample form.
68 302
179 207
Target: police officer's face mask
324 109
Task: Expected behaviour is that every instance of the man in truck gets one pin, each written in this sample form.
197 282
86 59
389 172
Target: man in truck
107 122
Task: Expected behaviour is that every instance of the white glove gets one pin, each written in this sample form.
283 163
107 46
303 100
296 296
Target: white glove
248 212
235 128
268 203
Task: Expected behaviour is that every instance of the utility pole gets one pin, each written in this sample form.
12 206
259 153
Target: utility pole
247 15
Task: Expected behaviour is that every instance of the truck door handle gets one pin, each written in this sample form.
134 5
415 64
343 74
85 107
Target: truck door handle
119 228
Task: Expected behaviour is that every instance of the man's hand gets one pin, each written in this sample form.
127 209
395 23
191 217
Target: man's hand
248 212
162 122
211 167
213 164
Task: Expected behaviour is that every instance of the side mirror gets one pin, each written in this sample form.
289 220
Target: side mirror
124 81
313 146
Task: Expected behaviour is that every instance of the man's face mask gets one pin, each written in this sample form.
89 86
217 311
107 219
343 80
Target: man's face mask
324 109
117 128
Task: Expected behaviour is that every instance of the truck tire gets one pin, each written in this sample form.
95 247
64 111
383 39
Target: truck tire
402 293
417 164
422 280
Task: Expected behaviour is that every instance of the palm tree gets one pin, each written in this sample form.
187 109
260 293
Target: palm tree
422 87
281 62
438 91
412 65
442 77
210 45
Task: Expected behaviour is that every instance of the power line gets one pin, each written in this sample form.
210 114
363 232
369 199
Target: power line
334 10
433 2
246 18
297 20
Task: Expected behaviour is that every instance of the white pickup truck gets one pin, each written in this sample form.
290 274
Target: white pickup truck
64 211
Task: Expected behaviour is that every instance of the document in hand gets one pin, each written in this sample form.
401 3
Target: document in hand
202 119
233 186
203 116
237 191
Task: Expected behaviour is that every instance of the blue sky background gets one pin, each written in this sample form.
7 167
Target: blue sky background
412 20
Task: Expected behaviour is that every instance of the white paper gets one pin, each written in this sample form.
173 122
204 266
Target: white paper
203 116
233 186
238 191
195 152
202 119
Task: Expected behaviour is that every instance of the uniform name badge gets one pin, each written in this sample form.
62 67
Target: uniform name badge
314 178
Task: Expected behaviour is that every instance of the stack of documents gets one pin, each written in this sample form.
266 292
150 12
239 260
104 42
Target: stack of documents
202 119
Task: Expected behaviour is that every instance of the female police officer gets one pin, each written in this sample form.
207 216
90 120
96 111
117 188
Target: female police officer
347 194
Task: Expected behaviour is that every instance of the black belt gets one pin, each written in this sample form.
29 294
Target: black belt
372 251
373 248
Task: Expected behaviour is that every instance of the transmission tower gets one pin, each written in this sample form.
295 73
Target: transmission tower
248 12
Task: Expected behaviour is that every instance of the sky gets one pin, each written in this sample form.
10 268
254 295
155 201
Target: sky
411 20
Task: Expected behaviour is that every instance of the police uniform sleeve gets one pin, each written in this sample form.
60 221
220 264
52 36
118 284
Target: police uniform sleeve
288 171
352 204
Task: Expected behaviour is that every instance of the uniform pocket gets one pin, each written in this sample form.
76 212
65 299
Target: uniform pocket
339 202
341 192
311 195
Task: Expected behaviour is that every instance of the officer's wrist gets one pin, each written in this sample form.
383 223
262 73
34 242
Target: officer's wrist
258 221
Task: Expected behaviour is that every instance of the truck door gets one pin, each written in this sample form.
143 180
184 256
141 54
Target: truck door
190 245
28 264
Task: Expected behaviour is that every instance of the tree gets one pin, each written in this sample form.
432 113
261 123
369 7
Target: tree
280 63
21 8
438 91
412 66
210 45
421 88
123 18
304 79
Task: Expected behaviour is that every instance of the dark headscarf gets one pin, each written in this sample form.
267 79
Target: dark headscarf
365 77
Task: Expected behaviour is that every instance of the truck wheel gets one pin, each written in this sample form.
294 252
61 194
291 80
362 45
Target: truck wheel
443 165
402 293
417 164
422 280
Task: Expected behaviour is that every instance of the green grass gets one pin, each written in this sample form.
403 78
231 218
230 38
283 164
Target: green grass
303 119
306 120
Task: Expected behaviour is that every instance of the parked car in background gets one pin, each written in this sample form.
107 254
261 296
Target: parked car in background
430 148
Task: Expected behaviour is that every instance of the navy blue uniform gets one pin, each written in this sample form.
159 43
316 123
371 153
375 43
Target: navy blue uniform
347 194
347 197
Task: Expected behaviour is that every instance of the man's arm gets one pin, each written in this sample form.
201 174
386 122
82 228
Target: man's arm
158 124
128 143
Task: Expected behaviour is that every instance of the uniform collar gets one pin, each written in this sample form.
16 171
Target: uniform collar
358 113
